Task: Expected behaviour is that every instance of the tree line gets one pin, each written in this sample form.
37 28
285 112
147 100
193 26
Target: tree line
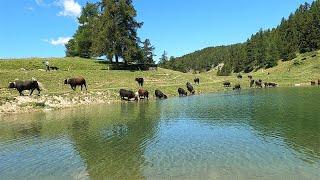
109 29
299 33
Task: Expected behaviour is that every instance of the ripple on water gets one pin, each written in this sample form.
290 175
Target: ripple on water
258 134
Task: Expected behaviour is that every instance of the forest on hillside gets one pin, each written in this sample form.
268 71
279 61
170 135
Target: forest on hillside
299 33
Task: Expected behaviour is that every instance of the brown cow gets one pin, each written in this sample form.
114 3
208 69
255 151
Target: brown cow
74 82
143 94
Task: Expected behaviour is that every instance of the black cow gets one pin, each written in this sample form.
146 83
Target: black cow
226 84
74 82
143 94
258 83
270 84
252 83
237 87
319 82
160 94
190 88
140 81
313 83
25 85
182 92
239 76
127 94
197 81
54 68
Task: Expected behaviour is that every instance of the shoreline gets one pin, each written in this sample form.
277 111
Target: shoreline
46 103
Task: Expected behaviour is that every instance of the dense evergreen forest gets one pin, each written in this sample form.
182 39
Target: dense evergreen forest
299 33
109 29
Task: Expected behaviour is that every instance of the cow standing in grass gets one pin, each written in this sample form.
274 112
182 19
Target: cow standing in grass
226 84
190 88
237 87
252 83
197 81
140 81
25 85
74 82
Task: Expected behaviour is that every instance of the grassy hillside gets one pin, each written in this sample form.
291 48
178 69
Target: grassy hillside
104 84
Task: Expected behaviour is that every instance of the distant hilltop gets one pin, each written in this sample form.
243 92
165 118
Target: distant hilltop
300 33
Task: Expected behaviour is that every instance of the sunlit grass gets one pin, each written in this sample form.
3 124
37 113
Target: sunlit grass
100 79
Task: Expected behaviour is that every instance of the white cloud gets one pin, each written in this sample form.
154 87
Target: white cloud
39 2
70 8
61 41
29 8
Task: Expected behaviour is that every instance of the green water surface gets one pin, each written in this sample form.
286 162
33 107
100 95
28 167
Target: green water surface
255 134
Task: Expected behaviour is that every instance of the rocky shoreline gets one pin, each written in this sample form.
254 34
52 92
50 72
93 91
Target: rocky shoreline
26 104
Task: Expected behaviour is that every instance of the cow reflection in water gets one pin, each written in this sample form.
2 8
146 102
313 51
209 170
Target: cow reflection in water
115 149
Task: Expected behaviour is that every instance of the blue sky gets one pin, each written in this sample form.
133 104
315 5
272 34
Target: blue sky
38 28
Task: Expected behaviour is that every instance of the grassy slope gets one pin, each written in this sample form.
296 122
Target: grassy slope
99 79
109 82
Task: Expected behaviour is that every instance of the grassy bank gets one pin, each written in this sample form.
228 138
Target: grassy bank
104 84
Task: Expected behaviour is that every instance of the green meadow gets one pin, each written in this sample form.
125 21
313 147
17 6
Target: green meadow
105 84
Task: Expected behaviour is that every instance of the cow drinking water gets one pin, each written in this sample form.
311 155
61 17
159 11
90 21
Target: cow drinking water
74 82
258 83
127 95
143 94
160 94
182 92
25 85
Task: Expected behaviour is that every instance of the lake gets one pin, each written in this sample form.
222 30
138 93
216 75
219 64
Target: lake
253 134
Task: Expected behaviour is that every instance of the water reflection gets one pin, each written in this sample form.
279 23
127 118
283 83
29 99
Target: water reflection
270 134
292 115
115 149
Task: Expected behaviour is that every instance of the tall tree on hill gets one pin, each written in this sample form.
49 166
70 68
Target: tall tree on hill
116 32
147 50
81 43
164 58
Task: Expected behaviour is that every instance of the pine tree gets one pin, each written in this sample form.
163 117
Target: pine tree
147 50
81 43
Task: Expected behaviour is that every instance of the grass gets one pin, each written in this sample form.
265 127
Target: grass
106 83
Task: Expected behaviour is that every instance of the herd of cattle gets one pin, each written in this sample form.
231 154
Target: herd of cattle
141 93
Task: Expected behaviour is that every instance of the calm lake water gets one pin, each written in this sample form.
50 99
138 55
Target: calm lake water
256 134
